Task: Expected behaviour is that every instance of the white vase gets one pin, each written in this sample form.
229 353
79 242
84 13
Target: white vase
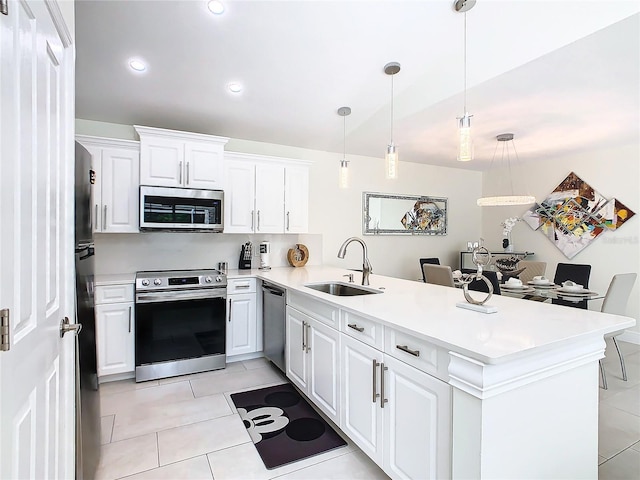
509 249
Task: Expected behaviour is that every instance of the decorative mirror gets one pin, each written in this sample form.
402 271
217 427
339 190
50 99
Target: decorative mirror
390 214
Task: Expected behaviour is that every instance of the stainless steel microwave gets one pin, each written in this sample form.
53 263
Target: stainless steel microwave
181 209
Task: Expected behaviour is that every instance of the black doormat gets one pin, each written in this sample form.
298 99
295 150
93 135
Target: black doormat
283 426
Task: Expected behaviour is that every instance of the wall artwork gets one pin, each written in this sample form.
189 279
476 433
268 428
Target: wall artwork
575 214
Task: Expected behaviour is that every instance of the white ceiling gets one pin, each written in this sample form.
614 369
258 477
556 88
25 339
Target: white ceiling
562 75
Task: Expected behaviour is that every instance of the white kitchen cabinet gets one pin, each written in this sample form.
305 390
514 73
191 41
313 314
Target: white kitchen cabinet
242 319
256 194
169 158
114 194
296 199
397 414
115 341
312 359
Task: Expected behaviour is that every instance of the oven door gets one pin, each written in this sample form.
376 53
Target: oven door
166 208
179 332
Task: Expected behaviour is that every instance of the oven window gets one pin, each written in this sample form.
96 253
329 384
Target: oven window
189 211
179 330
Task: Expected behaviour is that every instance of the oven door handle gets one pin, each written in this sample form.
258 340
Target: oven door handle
158 297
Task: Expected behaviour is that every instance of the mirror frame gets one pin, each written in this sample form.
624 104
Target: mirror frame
441 203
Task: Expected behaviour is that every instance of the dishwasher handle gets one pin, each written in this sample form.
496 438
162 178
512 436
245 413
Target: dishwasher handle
272 290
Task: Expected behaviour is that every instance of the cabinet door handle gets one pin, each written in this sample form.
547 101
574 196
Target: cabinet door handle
258 220
405 348
253 214
307 328
374 383
304 334
97 217
187 173
230 310
180 173
104 224
382 399
288 221
355 327
129 319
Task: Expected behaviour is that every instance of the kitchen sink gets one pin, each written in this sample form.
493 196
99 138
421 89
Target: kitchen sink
342 289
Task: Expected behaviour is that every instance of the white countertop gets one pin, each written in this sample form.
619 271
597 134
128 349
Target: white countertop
429 311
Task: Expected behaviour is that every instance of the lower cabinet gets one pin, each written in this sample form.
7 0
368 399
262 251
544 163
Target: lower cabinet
242 319
398 415
312 359
115 343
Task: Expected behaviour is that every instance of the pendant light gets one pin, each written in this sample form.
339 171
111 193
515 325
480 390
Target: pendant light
343 178
465 142
509 197
391 157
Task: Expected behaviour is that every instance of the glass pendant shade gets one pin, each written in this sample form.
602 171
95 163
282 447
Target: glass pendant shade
343 179
465 142
391 162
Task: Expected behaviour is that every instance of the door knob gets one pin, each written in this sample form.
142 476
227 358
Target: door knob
66 326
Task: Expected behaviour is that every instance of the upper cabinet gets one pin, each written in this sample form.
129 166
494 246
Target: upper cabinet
169 158
114 195
265 194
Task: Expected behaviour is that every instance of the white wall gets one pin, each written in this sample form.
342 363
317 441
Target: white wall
335 215
613 171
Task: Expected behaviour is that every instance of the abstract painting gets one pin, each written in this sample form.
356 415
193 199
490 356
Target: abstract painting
575 214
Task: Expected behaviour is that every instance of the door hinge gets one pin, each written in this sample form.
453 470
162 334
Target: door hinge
4 7
4 330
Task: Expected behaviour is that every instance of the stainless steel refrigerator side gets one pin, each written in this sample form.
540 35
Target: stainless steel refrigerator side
87 393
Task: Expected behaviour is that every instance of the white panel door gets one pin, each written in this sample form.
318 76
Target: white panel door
119 184
115 336
361 412
161 162
203 167
241 324
324 369
296 200
36 250
296 348
417 420
269 199
239 197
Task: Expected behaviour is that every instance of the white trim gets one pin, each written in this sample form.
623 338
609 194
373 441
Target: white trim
108 142
164 133
252 157
59 23
486 381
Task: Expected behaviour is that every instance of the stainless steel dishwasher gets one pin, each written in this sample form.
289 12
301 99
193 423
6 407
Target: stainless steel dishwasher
273 318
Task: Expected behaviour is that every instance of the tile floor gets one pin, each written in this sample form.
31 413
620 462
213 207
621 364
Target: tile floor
188 428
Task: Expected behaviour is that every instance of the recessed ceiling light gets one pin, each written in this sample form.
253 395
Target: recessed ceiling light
234 87
137 65
216 7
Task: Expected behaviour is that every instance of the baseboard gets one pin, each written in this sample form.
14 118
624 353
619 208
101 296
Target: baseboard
630 336
245 356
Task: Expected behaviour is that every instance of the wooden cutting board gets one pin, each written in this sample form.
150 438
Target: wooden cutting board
298 256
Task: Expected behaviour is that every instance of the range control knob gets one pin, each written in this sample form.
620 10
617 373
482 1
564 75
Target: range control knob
208 279
157 281
145 283
218 278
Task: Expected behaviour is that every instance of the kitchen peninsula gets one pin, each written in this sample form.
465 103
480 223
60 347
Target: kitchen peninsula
513 394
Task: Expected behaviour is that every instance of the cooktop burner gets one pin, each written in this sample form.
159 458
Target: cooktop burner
180 280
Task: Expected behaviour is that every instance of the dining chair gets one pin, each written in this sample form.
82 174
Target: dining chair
479 285
615 301
438 274
431 261
531 269
576 272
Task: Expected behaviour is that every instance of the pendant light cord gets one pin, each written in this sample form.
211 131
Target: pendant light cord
344 138
392 108
465 63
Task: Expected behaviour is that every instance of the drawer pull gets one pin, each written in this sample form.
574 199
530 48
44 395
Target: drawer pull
243 286
355 327
405 348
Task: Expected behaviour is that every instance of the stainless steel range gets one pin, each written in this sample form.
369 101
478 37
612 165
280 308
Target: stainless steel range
179 322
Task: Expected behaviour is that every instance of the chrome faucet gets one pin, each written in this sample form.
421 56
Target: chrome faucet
366 266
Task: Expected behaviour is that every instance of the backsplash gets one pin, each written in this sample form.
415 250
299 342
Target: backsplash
130 253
